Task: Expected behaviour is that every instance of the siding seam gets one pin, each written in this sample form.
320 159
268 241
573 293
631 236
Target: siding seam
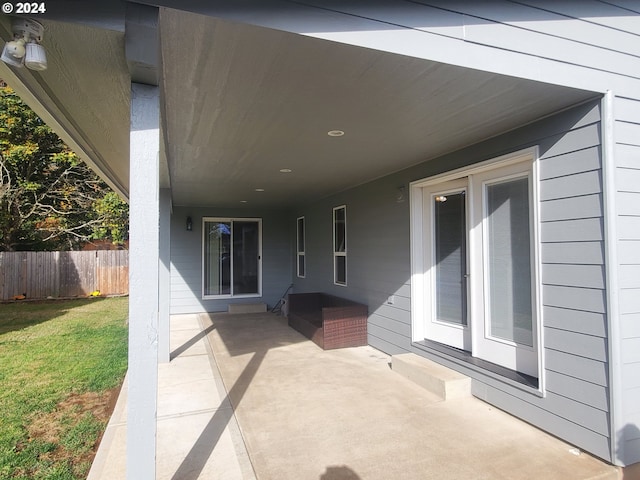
574 18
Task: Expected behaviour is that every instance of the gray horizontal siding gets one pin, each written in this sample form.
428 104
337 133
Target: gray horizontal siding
632 380
630 325
586 276
575 406
592 371
628 203
506 37
584 253
629 252
585 206
572 185
580 230
629 228
572 431
579 321
585 392
545 21
588 299
628 403
584 160
587 346
573 294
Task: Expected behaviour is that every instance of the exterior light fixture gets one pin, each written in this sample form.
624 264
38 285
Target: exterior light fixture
189 224
25 48
400 194
441 198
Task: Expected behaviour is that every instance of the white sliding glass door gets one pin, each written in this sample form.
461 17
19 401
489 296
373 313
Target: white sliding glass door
474 263
231 257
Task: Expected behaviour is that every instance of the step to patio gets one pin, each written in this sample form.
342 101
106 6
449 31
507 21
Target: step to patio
247 307
437 379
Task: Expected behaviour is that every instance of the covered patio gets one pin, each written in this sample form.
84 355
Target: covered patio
245 396
236 129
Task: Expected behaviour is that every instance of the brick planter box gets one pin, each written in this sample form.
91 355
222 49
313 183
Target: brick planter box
329 321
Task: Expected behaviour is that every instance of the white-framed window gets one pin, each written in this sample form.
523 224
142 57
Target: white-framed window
475 261
300 248
340 245
231 257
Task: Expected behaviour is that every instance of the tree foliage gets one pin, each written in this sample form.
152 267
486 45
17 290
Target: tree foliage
49 198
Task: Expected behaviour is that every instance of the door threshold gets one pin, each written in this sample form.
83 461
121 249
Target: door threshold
463 357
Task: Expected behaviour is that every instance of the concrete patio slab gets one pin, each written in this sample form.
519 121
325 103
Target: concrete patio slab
306 413
197 434
264 402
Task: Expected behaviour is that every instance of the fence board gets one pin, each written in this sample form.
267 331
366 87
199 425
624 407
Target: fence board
63 274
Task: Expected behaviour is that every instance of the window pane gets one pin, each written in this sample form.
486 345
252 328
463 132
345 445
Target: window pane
340 239
509 263
217 263
301 265
301 234
450 250
341 269
245 257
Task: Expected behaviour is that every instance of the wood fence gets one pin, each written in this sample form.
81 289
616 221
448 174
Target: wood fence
63 274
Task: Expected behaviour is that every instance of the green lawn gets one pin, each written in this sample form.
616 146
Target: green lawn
60 362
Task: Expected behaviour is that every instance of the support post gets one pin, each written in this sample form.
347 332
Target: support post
143 282
164 285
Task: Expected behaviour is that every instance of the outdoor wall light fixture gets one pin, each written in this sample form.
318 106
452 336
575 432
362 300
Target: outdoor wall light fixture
400 194
25 48
189 224
441 198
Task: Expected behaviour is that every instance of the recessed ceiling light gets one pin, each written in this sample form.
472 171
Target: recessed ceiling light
259 189
243 201
335 133
285 170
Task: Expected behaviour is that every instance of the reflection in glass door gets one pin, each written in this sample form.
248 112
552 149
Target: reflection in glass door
245 257
231 257
509 261
450 258
217 245
446 208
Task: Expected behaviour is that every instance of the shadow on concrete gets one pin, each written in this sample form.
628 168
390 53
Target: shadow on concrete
195 461
187 345
341 472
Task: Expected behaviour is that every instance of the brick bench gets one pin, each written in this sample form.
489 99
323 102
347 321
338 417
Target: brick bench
329 321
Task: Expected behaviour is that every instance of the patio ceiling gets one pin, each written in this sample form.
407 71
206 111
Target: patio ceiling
242 102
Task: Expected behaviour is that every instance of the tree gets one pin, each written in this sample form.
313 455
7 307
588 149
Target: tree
49 198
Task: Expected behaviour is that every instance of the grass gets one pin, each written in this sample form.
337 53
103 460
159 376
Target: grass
60 364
